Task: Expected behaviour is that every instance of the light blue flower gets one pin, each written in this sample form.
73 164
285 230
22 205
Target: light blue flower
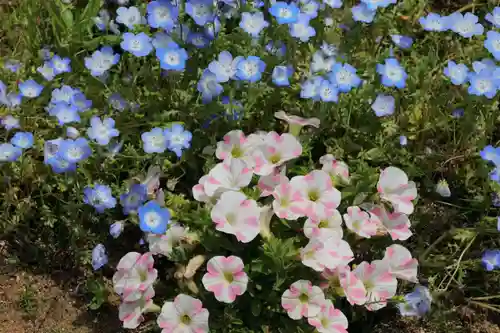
65 113
139 45
198 40
47 71
277 48
393 74
281 75
333 3
301 29
253 23
201 11
134 198
60 65
162 14
153 218
482 84
491 154
101 61
285 13
212 28
9 152
172 57
99 257
491 259
375 4
309 8
417 303
457 113
161 40
63 94
116 229
485 64
22 140
117 102
250 69
401 41
99 196
9 122
329 50
209 86
344 77
383 105
81 102
30 89
403 140
492 43
225 67
361 13
178 139
328 92
457 73
465 25
52 158
72 132
102 131
129 17
434 22
12 65
494 17
320 63
154 141
495 175
102 20
74 151
310 88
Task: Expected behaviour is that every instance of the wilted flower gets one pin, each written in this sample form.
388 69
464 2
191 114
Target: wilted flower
116 229
131 312
302 299
185 314
443 189
338 170
165 243
99 257
226 278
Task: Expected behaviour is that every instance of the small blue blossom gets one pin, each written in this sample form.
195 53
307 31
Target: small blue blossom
457 113
52 158
208 86
285 13
384 105
361 13
494 17
102 131
172 57
22 140
65 113
310 88
250 69
115 147
329 50
161 40
30 89
417 303
401 41
328 92
178 139
63 94
333 3
457 73
393 74
491 259
99 257
72 132
492 43
154 141
99 196
309 8
12 65
102 20
153 218
139 45
344 77
129 17
491 154
60 65
212 28
403 140
198 40
225 67
281 75
47 71
375 4
465 25
253 23
276 48
201 11
117 102
495 175
9 152
134 198
74 151
484 64
81 102
320 63
101 61
9 122
162 14
301 29
434 22
116 229
482 84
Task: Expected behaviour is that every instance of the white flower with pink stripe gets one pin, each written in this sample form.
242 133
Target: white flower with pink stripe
320 254
397 225
230 175
235 145
130 313
345 283
379 283
302 299
329 319
324 226
394 187
338 170
226 278
275 150
288 201
199 193
401 264
164 244
360 222
237 215
134 275
267 184
185 314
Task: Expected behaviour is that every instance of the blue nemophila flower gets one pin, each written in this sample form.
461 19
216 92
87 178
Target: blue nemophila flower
139 45
30 89
63 94
209 86
482 84
102 131
320 63
250 69
99 257
65 113
276 48
491 154
253 23
434 22
328 92
52 158
47 71
495 175
9 152
361 13
492 43
9 122
117 102
178 139
129 17
72 132
457 73
172 57
198 40
393 74
201 11
212 28
161 40
375 4
494 17
74 151
101 61
457 113
153 218
403 140
162 14
99 196
491 259
22 140
401 41
116 229
134 198
301 29
284 13
484 64
416 303
154 141
344 77
329 50
333 3
225 67
102 20
81 102
309 8
60 65
12 65
310 88
465 25
384 105
281 75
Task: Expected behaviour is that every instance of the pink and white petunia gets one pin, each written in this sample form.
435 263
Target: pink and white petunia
302 299
379 283
267 184
325 226
235 145
225 278
130 313
134 275
230 175
329 319
185 314
275 150
345 283
288 201
237 215
360 222
401 264
199 193
397 225
321 198
394 187
164 244
320 254
338 170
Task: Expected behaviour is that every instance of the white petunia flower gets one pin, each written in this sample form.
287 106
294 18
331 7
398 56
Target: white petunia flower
236 145
134 275
379 283
185 314
199 193
329 319
275 150
288 201
230 175
330 253
401 264
359 222
325 226
302 299
394 187
226 278
338 170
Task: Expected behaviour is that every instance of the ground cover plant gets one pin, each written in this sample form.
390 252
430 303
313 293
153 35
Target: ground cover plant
248 166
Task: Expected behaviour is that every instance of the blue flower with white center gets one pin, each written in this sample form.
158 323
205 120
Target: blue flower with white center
154 141
434 22
101 61
253 23
393 74
492 43
491 154
485 64
320 63
9 122
60 65
276 48
134 198
285 13
22 140
178 139
225 67
129 17
416 303
46 71
172 57
494 17
63 94
102 20
403 140
161 40
74 151
65 113
482 84
329 50
12 65
328 92
117 102
333 3
162 14
310 88
361 13
457 73
281 75
212 28
116 229
201 11
198 40
209 86
250 69
139 45
153 218
99 197
30 89
401 41
384 105
99 257
301 29
375 4
309 8
52 158
81 102
465 25
101 131
9 152
491 259
344 77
